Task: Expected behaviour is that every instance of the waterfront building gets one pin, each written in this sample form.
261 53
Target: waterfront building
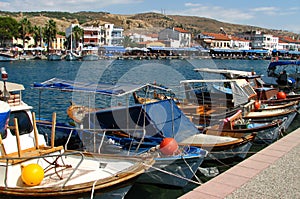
103 35
93 36
288 44
58 43
239 43
114 35
214 40
260 40
175 37
29 41
138 38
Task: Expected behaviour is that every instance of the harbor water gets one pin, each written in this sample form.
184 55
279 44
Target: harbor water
166 72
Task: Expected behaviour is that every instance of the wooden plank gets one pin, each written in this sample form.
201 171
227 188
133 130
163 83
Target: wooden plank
53 129
2 148
18 137
36 137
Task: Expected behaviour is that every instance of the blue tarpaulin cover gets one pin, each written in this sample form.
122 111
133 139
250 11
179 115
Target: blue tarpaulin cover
159 119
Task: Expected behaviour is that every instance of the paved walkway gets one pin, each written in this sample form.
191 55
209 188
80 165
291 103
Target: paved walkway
271 173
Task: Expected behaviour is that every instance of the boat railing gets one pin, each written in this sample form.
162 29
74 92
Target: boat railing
52 164
37 152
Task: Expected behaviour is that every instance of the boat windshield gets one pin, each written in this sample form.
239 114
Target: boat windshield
24 122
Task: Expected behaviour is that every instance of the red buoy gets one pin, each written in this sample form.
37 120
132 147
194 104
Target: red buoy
281 95
257 105
168 146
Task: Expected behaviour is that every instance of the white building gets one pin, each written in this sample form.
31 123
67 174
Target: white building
106 35
239 43
114 35
135 37
175 37
259 40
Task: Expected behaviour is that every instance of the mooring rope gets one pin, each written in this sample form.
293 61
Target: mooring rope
172 174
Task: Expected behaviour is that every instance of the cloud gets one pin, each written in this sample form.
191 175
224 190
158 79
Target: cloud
264 9
66 5
192 4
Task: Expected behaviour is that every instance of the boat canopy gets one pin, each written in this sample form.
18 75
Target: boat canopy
240 89
12 87
119 89
162 118
230 74
273 65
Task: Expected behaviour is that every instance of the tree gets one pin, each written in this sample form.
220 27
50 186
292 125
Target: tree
77 34
50 31
24 29
127 42
8 29
37 35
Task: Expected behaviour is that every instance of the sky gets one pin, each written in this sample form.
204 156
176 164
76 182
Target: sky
272 14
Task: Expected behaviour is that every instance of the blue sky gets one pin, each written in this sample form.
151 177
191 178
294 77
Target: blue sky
274 14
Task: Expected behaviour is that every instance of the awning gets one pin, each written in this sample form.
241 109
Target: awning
118 89
283 63
114 48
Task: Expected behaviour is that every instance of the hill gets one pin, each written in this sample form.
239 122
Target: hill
142 22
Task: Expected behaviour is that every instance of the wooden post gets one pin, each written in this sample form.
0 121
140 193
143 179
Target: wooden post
53 129
17 136
2 149
36 136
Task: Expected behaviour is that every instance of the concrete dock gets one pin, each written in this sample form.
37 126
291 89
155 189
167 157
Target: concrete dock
273 172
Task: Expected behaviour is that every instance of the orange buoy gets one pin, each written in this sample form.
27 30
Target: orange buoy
168 146
281 95
257 105
32 174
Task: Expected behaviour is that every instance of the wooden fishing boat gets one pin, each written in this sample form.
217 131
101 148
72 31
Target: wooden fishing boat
31 168
77 112
267 93
133 129
243 96
288 111
236 126
221 147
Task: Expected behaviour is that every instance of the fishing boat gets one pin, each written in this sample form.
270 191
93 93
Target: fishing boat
150 122
135 129
31 168
71 56
242 96
90 54
54 57
236 126
7 57
255 80
221 147
291 67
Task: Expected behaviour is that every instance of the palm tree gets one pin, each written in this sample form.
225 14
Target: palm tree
77 34
24 29
50 31
127 42
37 35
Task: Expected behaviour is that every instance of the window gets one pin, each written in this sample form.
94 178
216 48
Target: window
24 122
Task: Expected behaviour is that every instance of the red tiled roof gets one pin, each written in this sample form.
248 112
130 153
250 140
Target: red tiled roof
181 30
152 35
217 36
287 39
239 39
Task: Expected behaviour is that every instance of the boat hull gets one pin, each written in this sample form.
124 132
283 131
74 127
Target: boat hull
72 173
173 170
